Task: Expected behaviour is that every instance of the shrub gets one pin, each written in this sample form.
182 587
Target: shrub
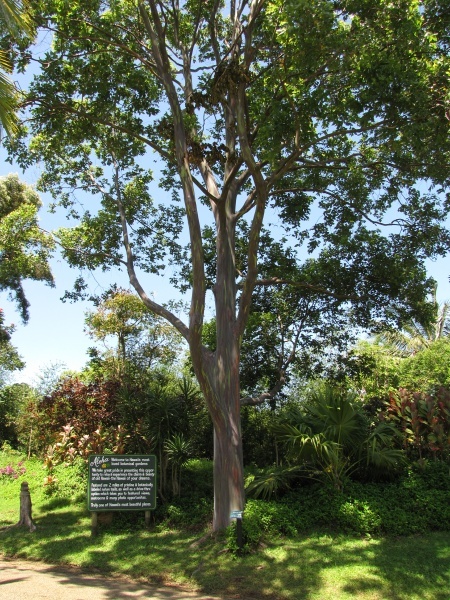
359 516
197 478
194 508
68 480
85 407
417 502
262 519
423 420
12 472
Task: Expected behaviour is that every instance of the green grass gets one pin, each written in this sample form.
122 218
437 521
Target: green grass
317 566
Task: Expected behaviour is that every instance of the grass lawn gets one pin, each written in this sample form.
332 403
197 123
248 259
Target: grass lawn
317 566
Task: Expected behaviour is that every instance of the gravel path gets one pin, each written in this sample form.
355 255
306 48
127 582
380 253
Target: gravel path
24 580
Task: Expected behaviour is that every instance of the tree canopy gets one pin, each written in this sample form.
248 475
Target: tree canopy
317 117
416 336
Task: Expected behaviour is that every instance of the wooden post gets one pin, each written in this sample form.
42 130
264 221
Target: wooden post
25 507
94 524
239 537
147 518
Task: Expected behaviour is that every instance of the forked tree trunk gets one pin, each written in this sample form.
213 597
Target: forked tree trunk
25 507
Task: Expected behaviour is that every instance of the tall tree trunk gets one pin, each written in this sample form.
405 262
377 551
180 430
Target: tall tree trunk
219 380
225 407
228 474
228 456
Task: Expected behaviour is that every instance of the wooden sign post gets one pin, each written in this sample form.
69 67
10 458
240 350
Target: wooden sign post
237 514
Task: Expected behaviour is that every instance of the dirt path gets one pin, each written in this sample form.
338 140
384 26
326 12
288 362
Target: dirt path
23 580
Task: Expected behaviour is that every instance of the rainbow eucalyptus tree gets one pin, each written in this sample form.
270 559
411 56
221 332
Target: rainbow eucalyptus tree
318 117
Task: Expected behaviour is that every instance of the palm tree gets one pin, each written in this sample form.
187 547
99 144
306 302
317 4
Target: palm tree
416 336
178 450
16 21
330 438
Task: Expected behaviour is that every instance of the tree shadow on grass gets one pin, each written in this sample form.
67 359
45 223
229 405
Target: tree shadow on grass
315 567
55 503
54 527
324 567
415 567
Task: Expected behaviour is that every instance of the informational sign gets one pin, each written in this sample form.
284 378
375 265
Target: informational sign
121 482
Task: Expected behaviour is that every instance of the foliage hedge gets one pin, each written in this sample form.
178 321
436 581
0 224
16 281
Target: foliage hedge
417 502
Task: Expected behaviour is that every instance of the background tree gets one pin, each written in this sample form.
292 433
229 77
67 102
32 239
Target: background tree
291 329
24 247
10 404
15 426
428 369
143 340
370 369
9 357
318 116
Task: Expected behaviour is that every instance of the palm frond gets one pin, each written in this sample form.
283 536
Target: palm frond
16 17
330 437
338 416
380 452
8 100
268 483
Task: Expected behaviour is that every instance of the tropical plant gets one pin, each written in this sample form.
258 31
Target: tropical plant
178 451
423 420
267 483
330 437
80 408
198 426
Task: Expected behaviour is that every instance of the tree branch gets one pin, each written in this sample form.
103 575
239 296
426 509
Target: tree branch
265 396
65 108
153 306
157 36
317 289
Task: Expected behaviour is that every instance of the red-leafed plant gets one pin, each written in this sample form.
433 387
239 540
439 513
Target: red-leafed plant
424 421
